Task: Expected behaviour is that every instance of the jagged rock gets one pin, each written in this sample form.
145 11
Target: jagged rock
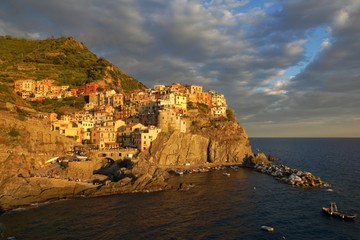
125 181
141 182
184 186
259 159
294 179
291 176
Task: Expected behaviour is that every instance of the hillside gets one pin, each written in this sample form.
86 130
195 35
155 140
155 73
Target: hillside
64 60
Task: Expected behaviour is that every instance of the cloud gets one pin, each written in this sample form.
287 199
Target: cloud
295 48
240 48
325 43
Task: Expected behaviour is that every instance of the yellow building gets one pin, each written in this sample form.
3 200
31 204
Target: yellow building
68 128
217 99
86 130
195 94
24 85
83 116
118 100
181 101
194 89
142 139
105 136
55 89
43 87
169 120
102 116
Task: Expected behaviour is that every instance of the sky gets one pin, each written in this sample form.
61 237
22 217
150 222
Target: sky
288 68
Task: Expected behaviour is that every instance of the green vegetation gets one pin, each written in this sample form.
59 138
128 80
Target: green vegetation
203 108
64 60
14 132
54 105
22 114
22 117
7 94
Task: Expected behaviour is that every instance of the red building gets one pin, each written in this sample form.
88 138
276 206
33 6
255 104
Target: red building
89 88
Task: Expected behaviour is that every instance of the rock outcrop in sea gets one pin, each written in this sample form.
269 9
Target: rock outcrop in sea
291 176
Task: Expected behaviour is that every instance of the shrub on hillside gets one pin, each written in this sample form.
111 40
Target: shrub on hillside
14 132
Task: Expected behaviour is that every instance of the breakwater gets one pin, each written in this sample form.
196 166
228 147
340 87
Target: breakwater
291 176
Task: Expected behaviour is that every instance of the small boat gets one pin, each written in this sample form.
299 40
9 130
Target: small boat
179 172
226 174
333 211
235 168
267 228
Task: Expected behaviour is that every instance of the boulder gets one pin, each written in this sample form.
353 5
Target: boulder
260 158
184 186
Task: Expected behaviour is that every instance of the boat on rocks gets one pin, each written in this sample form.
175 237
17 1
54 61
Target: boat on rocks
333 211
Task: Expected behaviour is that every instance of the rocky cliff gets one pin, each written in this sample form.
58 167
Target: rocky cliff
25 179
220 143
27 143
208 140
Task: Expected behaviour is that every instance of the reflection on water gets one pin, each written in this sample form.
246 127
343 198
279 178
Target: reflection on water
187 214
217 207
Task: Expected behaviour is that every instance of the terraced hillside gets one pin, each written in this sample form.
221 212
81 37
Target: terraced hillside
64 60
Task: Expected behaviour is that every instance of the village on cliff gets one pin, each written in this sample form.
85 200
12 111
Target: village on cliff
125 123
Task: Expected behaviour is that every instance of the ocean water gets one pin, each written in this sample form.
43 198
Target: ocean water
217 207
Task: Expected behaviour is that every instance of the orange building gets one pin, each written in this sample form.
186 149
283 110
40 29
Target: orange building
24 85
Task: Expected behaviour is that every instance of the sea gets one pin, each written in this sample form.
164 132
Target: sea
217 206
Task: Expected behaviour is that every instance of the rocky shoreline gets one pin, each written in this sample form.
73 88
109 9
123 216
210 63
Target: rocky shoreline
291 176
27 177
157 182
